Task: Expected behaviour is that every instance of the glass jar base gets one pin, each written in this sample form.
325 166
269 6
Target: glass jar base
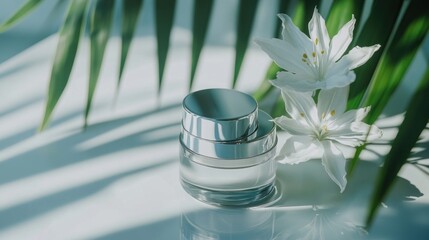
243 198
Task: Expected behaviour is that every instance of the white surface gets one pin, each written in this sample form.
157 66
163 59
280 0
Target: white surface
119 178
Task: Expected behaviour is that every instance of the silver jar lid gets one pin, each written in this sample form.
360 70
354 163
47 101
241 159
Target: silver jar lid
219 114
234 153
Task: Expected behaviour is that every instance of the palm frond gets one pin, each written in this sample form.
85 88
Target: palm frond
246 17
20 14
130 15
202 13
379 19
164 16
100 25
64 55
414 123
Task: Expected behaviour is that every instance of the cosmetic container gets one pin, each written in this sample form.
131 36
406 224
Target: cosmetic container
227 148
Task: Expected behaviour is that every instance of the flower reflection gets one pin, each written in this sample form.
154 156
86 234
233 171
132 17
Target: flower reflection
324 224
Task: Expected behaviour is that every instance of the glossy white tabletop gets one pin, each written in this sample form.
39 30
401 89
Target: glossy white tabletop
118 179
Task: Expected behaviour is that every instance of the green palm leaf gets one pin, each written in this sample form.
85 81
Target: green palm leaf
246 16
100 25
202 12
397 58
164 16
23 11
64 55
130 14
414 123
377 29
394 63
341 12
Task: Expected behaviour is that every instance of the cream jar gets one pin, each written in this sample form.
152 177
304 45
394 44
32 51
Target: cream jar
227 148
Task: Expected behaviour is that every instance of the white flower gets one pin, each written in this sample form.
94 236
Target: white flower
315 62
317 129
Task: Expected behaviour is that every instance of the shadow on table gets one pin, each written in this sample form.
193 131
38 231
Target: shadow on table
64 152
34 208
307 206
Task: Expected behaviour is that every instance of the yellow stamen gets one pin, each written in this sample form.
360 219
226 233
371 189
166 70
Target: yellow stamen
304 55
316 41
324 128
302 114
314 54
323 115
333 112
322 52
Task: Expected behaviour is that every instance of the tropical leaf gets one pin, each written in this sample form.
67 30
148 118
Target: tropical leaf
100 25
20 14
341 12
64 55
246 16
379 19
415 121
164 16
395 61
393 65
202 12
130 15
303 13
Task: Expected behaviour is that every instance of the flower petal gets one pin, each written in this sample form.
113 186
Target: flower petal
292 126
371 131
318 32
356 57
301 106
332 102
284 54
356 115
334 162
298 149
342 40
294 36
356 134
341 79
297 82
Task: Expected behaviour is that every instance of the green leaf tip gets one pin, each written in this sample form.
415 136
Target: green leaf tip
100 26
64 56
130 15
20 14
246 16
202 13
164 17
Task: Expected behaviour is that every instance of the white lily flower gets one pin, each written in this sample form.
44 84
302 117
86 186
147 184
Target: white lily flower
318 129
315 62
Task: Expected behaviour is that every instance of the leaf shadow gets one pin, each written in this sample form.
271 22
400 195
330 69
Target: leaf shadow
65 151
31 209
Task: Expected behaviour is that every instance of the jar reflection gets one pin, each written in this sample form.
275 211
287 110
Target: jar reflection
219 224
